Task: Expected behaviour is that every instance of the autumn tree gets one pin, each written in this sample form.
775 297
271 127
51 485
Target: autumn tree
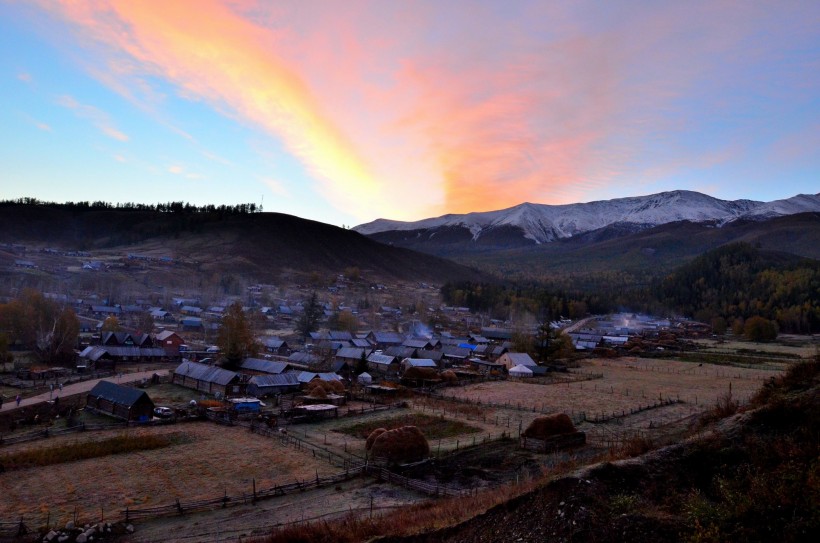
235 340
760 329
111 324
41 325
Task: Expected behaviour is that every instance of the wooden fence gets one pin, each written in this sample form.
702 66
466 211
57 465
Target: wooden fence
431 489
604 417
221 502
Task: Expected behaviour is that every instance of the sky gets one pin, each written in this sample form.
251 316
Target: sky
345 112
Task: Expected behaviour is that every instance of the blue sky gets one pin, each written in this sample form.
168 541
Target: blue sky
407 110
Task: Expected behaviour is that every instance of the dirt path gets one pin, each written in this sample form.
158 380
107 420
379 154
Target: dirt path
230 524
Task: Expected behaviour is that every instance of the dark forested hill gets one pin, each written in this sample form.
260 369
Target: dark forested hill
257 244
739 281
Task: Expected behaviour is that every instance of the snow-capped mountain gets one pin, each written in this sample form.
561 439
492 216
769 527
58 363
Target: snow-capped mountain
539 223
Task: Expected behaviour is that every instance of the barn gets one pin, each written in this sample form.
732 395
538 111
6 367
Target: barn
119 401
207 379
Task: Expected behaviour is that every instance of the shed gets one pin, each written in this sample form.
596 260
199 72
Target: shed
365 379
208 379
119 401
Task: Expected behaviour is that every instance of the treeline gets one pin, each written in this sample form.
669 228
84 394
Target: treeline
502 301
728 286
169 207
737 282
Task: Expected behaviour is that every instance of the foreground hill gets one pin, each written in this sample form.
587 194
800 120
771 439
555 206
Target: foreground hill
753 477
260 245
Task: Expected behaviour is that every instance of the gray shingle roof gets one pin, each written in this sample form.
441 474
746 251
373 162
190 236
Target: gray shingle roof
266 366
117 394
203 372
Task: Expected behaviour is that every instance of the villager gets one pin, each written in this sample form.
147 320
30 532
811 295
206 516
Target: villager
1 401
18 399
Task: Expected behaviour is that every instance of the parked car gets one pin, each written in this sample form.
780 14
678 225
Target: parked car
163 412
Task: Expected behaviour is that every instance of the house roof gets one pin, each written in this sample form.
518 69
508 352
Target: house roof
118 394
304 358
340 335
432 355
283 379
203 372
352 352
265 366
361 343
274 343
381 359
388 337
451 351
400 352
165 334
419 363
416 343
522 359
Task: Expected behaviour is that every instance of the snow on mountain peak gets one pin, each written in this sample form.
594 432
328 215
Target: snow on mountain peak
544 223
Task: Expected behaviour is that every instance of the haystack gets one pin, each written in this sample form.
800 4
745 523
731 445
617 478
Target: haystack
317 392
549 425
402 445
372 437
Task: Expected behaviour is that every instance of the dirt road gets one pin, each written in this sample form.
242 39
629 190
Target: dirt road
78 388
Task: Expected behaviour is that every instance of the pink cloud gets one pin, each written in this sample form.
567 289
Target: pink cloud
411 109
100 119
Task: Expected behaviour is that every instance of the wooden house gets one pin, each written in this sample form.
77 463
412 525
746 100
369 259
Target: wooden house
119 401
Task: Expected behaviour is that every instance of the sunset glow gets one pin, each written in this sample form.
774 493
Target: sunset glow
348 112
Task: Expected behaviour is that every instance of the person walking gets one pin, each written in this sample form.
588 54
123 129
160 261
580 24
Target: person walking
1 401
18 399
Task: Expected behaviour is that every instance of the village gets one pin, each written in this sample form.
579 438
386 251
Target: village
309 410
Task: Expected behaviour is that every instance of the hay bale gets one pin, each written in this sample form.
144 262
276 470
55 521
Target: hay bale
549 425
372 437
318 392
402 445
337 387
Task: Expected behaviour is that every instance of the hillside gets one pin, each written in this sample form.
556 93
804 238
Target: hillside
751 477
652 251
258 245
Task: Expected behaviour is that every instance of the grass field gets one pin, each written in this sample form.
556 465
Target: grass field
431 427
204 461
627 383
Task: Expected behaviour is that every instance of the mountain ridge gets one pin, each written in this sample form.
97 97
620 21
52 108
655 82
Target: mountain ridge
535 224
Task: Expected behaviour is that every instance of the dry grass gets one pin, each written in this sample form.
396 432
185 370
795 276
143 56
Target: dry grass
211 460
627 384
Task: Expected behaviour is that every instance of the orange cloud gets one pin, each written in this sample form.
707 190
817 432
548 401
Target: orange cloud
212 54
411 109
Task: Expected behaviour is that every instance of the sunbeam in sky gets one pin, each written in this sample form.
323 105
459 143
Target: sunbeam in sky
345 112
